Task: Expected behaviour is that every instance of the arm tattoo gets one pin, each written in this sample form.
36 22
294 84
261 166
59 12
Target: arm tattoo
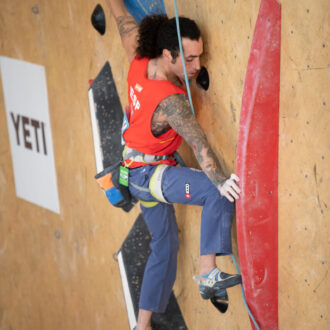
178 114
159 123
126 24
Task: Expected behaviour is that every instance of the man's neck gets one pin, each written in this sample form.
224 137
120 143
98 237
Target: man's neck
158 70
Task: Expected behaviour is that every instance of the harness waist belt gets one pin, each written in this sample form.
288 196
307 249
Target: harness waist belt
138 156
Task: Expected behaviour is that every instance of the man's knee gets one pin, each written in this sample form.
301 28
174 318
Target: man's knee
166 247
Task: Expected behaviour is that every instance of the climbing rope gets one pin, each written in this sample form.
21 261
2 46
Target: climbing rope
192 110
182 57
243 296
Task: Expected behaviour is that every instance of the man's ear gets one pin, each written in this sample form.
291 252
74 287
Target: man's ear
167 54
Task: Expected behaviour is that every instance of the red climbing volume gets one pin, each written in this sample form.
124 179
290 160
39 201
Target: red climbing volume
257 167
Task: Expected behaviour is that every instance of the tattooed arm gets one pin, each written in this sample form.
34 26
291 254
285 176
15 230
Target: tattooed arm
176 110
127 26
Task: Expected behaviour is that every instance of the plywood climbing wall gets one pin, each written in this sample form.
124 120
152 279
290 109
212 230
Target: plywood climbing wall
58 270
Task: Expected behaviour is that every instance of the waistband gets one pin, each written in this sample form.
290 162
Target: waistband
133 158
137 156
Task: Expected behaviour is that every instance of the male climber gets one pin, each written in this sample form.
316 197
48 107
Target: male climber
158 117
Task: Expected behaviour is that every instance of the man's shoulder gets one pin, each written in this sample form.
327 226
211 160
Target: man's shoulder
174 103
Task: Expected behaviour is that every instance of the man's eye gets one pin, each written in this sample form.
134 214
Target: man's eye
189 60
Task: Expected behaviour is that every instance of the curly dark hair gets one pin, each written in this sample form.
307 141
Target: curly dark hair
158 32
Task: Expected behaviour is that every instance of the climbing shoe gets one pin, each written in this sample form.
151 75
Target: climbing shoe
215 281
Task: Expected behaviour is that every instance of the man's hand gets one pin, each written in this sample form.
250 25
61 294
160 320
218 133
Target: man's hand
229 188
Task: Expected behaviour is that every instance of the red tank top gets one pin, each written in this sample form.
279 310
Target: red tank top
144 96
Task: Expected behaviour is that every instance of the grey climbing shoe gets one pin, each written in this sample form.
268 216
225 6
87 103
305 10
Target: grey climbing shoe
215 281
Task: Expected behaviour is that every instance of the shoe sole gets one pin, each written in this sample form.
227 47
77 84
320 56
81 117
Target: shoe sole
208 292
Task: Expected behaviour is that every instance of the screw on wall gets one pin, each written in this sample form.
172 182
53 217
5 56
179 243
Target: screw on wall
98 19
35 9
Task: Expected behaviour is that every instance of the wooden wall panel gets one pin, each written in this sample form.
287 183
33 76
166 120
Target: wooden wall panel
58 271
304 253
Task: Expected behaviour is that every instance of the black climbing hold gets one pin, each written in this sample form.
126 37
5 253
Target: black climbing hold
221 300
202 79
98 19
108 117
134 253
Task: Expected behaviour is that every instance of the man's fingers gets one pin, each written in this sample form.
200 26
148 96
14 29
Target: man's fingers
232 192
230 189
233 185
227 195
232 179
234 176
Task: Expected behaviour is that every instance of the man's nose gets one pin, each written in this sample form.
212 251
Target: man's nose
197 64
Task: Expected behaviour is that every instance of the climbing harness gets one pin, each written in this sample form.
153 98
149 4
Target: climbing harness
155 183
137 156
155 186
131 155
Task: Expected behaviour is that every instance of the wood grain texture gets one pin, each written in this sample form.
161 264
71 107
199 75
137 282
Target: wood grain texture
57 271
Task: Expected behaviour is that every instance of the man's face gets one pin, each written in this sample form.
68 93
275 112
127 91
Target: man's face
192 51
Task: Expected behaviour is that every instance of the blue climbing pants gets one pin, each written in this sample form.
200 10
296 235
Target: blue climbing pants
185 186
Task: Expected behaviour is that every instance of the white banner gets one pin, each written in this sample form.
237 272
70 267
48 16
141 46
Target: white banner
26 101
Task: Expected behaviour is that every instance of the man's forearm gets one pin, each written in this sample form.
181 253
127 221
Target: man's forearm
228 187
127 26
176 109
206 158
125 22
117 8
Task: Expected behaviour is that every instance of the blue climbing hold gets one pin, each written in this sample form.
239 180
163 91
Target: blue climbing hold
141 8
